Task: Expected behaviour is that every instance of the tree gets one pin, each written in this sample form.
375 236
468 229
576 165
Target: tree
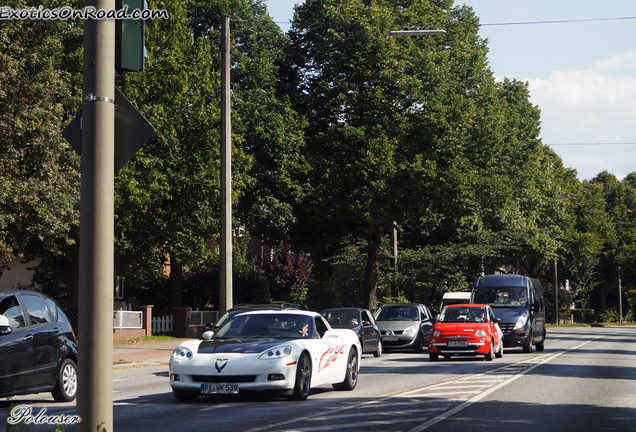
385 115
167 197
39 90
287 274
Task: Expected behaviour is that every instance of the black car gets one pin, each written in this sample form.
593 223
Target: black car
38 349
361 322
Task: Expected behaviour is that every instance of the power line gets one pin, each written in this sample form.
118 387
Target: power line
559 21
586 144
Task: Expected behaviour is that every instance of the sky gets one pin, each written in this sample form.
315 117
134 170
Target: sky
581 74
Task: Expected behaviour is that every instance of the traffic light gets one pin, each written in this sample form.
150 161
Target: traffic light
130 49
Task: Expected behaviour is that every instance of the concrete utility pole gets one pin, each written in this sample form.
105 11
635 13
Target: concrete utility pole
225 294
556 294
95 358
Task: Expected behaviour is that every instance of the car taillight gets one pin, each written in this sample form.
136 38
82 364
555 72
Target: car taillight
72 332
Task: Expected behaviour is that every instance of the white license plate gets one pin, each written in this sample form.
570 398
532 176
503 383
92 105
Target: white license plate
389 338
219 388
456 343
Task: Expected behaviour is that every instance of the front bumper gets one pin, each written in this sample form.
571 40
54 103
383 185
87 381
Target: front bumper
473 347
516 338
250 373
399 342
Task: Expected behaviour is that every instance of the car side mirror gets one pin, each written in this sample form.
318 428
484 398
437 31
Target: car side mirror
5 329
207 335
366 323
497 320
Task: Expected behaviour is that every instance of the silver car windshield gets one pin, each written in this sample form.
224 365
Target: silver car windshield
397 313
498 297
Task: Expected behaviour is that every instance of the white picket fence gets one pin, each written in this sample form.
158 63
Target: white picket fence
162 324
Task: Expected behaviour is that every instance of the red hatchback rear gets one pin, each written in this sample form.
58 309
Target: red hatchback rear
466 330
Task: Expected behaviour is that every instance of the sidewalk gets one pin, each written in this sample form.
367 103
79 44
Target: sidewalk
142 354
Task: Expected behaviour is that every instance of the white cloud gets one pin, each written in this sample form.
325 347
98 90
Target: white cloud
594 105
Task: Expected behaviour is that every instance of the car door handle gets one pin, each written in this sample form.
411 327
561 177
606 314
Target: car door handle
56 330
28 337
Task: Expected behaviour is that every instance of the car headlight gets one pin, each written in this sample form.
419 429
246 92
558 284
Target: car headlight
274 353
437 333
521 322
410 330
182 353
480 333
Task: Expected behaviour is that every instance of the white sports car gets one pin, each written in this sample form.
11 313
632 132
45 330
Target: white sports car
287 352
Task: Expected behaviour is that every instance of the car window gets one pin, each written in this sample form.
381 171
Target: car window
321 328
366 316
36 309
10 308
52 307
397 313
464 314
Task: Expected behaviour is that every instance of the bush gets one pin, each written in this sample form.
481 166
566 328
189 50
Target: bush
610 315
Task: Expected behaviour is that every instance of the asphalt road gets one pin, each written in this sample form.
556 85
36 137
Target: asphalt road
585 380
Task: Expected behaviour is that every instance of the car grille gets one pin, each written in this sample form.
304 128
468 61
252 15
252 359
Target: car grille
224 378
506 328
395 332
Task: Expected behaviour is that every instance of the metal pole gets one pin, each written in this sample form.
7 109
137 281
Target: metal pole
556 294
394 260
96 274
620 298
225 294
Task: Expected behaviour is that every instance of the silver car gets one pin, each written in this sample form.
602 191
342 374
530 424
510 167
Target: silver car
404 326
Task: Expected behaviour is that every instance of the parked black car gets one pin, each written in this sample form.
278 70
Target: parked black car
38 349
361 322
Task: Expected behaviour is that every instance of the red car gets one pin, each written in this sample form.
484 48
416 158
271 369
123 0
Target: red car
466 330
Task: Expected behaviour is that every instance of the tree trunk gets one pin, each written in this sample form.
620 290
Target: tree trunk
176 283
371 271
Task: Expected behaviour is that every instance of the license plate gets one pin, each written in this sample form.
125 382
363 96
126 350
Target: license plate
457 343
219 388
389 338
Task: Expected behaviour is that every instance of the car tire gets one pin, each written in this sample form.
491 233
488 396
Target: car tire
351 374
378 350
499 352
433 357
66 386
490 354
541 345
419 343
303 379
527 347
185 395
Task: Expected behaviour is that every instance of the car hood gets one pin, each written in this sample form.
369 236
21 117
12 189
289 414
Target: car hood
509 315
396 325
455 327
237 346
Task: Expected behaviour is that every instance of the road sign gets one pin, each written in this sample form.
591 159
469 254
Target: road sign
132 131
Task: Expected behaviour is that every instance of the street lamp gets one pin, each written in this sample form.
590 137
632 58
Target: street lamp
620 289
394 239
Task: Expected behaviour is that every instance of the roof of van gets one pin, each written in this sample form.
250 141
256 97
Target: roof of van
456 295
502 280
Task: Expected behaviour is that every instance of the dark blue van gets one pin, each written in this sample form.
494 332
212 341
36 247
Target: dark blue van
517 300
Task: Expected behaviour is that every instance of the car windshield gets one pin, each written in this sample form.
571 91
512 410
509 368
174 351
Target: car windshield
501 296
283 326
397 313
342 318
463 314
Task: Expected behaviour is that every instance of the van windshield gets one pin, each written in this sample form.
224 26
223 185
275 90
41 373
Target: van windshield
501 296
